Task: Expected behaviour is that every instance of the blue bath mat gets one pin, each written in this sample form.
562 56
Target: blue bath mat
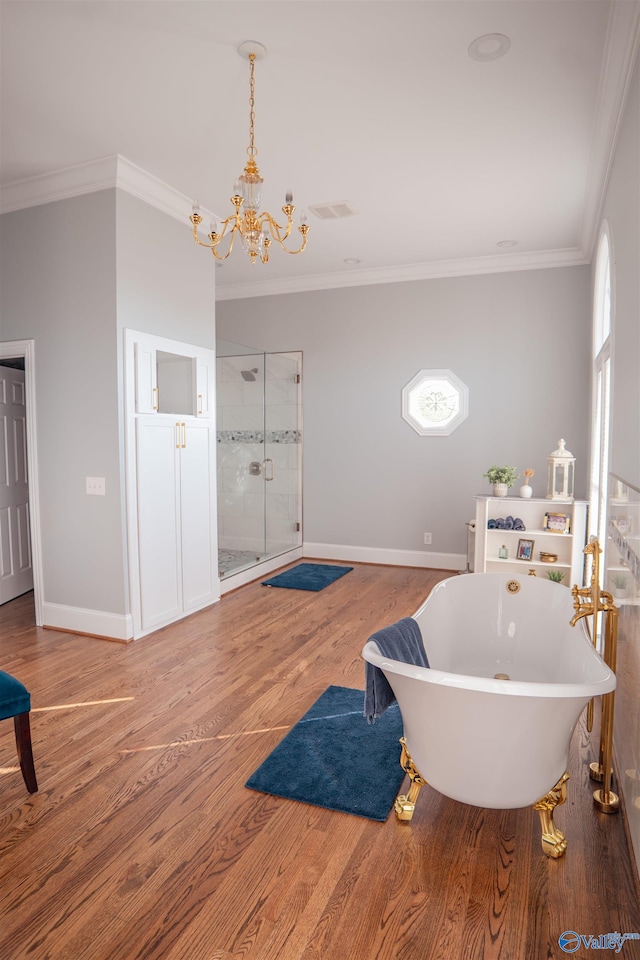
333 758
308 576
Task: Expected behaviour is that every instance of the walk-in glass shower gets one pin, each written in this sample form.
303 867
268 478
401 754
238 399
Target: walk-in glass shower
259 462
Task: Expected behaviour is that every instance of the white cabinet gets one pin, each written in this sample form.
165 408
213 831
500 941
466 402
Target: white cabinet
204 387
158 500
146 378
171 479
538 536
175 469
178 380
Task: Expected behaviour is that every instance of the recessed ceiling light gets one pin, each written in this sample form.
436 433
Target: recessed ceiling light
351 261
507 243
491 46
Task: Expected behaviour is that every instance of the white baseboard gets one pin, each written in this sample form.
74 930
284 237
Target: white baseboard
394 558
95 623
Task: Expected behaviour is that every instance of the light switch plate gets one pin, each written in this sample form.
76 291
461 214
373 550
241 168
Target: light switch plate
96 486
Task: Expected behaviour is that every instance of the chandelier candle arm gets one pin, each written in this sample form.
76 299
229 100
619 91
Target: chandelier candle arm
214 236
257 231
277 231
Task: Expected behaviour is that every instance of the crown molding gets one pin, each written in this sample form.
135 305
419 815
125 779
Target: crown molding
60 185
117 171
437 269
95 175
620 55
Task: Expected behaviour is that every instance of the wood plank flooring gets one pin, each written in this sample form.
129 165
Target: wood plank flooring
143 842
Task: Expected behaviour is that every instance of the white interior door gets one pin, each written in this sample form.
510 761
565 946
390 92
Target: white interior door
16 573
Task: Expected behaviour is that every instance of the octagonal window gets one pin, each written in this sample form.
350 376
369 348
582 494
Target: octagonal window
435 402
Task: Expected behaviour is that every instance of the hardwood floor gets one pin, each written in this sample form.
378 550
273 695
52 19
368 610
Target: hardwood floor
143 842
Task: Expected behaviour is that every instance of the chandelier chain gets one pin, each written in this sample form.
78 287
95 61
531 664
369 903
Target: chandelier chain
257 229
251 149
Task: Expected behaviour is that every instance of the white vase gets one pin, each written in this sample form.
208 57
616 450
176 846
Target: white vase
526 491
500 489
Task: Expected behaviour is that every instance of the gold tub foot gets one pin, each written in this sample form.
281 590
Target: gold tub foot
554 842
405 803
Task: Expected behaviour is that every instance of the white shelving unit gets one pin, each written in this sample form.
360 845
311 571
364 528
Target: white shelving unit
623 543
568 546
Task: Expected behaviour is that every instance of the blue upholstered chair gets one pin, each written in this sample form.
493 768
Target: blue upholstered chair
15 701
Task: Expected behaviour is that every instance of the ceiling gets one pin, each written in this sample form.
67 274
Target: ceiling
376 103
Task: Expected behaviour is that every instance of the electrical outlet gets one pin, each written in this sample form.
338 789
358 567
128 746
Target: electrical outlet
427 538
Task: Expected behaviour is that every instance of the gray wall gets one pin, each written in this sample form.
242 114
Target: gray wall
166 284
58 287
74 274
521 343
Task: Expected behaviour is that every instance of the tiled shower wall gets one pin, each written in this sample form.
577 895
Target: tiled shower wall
254 515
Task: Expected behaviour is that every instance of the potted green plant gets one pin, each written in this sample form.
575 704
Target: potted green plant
556 575
502 478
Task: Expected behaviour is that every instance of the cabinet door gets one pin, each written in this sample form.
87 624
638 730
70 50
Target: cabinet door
146 378
204 386
157 465
198 509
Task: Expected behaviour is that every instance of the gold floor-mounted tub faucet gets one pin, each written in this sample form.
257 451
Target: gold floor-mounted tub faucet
589 602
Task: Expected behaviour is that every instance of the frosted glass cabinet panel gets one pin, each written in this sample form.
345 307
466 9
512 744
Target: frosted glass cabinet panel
179 383
176 384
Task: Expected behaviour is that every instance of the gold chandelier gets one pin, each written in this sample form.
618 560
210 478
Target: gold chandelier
257 230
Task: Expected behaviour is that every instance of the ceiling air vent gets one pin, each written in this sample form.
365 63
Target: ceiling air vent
334 211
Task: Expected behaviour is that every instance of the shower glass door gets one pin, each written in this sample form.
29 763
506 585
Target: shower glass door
259 455
283 453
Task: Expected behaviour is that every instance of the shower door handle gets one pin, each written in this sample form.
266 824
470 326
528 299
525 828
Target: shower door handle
273 472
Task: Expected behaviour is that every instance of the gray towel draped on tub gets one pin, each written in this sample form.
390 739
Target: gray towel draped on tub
400 641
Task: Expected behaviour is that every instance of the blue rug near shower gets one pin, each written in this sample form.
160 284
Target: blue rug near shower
333 758
308 576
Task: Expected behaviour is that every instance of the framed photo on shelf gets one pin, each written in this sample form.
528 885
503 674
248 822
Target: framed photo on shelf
558 522
525 550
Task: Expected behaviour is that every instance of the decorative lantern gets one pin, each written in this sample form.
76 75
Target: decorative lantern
560 472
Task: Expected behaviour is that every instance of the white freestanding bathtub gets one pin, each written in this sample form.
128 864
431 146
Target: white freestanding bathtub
491 742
